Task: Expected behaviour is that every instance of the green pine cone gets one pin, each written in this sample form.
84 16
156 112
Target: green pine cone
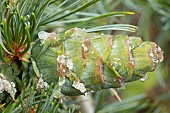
79 62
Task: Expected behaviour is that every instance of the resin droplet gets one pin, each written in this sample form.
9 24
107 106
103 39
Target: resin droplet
79 86
41 84
7 86
64 60
43 36
61 81
145 77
